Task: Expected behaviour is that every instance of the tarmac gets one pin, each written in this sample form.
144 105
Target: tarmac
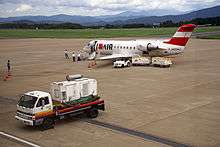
145 106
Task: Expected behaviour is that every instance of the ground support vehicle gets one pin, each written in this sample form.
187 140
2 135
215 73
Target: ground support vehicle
161 61
38 108
122 63
141 61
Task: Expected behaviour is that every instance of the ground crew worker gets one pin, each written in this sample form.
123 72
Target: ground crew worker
79 57
8 66
66 54
73 55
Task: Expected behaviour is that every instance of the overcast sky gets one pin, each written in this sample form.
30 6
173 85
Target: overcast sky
96 7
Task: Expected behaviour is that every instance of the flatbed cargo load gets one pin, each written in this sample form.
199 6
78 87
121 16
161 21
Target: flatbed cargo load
81 100
67 91
161 61
141 61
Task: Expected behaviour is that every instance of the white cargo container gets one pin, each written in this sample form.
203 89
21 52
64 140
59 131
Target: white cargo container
141 61
66 91
161 61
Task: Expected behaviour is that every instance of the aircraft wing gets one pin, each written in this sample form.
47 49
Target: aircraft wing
115 56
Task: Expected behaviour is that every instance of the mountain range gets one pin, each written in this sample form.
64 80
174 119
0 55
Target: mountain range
127 17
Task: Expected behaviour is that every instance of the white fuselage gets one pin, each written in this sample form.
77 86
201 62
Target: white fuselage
134 47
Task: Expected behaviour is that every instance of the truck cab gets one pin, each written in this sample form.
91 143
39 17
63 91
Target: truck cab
31 104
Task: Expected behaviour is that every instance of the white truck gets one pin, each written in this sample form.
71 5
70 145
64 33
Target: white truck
122 63
68 98
161 61
142 61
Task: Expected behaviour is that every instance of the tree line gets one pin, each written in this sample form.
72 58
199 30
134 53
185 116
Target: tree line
214 21
23 25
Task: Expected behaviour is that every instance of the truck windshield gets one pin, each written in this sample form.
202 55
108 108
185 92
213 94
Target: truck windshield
27 101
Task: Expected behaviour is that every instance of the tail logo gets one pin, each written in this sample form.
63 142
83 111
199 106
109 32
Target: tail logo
182 35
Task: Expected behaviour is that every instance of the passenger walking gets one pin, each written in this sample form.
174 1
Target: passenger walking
73 55
8 66
66 54
79 57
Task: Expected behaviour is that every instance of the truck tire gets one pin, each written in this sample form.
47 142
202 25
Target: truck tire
48 123
129 64
93 113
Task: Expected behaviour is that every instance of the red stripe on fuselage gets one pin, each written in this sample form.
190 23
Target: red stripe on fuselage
181 41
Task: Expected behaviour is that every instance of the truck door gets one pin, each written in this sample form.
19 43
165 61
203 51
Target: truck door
43 104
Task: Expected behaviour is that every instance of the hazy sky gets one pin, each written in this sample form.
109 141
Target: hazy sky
96 7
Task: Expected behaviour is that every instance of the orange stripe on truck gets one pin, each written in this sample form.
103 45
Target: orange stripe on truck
44 113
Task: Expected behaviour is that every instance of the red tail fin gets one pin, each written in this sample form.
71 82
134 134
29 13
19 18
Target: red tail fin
182 35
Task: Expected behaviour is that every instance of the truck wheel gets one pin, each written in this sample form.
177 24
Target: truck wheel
93 113
129 64
48 123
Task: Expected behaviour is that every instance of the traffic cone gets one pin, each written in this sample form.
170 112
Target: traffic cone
89 66
6 77
9 73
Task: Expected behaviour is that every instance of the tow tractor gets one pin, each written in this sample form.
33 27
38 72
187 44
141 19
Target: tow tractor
67 98
121 63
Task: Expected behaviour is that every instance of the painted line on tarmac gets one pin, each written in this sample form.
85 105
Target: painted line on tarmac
137 133
18 139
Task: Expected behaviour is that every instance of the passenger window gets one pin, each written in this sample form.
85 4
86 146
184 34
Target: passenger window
130 47
124 47
127 47
134 47
120 46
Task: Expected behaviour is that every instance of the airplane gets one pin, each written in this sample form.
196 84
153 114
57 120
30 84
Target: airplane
115 49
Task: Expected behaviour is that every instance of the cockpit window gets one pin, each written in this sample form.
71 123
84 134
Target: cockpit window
27 101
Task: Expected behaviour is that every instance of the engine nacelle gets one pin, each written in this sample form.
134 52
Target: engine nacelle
147 48
151 47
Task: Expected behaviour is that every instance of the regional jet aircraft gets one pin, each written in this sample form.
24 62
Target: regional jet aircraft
113 49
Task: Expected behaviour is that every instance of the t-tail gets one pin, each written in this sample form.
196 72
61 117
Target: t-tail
182 35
